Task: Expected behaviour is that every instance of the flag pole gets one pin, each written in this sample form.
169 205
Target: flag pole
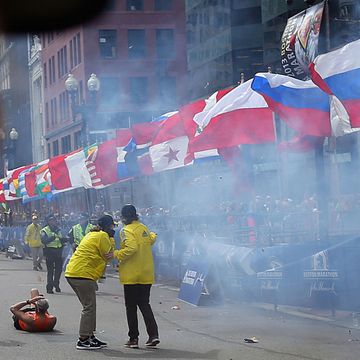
131 180
277 136
321 181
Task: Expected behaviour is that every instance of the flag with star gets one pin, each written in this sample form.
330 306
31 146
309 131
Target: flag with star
169 154
169 147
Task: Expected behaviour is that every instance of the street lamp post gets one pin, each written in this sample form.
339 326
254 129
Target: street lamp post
72 86
93 85
13 136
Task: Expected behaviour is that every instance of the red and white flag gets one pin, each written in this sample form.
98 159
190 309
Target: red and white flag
240 117
69 171
169 154
101 163
202 118
169 147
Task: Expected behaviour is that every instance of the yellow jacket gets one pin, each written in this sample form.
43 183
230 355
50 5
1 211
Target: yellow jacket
136 260
88 261
32 235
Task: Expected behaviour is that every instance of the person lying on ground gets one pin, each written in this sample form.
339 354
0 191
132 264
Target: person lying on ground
34 318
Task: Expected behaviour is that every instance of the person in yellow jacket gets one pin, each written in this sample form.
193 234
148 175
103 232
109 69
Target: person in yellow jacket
85 267
136 271
33 239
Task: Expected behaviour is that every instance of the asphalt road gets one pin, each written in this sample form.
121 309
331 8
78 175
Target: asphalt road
187 333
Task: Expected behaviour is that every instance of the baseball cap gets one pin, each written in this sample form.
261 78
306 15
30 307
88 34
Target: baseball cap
105 221
128 211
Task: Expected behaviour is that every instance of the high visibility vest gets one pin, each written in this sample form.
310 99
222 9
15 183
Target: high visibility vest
78 232
56 243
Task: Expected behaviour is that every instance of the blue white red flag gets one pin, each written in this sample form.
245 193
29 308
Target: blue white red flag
338 73
301 104
131 160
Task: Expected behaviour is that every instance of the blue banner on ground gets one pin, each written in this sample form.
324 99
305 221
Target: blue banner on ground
192 284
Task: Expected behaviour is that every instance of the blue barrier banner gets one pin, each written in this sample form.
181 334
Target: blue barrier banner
192 284
314 274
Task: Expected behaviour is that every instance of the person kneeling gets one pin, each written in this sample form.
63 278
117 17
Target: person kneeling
34 318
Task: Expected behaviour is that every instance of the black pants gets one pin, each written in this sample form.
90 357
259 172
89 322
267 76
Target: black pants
138 295
54 264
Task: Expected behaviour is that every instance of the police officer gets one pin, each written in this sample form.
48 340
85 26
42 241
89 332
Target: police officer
79 230
53 241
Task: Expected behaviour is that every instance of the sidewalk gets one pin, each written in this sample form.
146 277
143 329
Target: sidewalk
341 318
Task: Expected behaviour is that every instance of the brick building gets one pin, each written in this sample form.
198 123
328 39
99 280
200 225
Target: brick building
137 50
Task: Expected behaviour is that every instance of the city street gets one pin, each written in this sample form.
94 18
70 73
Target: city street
185 333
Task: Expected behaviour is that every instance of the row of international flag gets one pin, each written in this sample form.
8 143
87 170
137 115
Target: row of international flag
326 105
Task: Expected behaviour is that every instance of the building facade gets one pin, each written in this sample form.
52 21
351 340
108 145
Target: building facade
137 50
14 99
274 17
224 39
36 99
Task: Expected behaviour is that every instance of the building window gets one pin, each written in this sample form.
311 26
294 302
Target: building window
65 144
47 119
163 5
5 76
98 137
49 150
62 62
77 140
43 40
134 5
52 77
50 37
165 43
139 90
64 106
167 89
80 93
55 147
247 16
45 75
190 36
107 43
136 43
53 111
75 51
110 89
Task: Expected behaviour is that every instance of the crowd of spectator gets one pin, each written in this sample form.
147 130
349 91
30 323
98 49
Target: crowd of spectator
262 220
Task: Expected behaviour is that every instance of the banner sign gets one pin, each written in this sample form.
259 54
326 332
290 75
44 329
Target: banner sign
192 284
321 277
270 279
299 42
